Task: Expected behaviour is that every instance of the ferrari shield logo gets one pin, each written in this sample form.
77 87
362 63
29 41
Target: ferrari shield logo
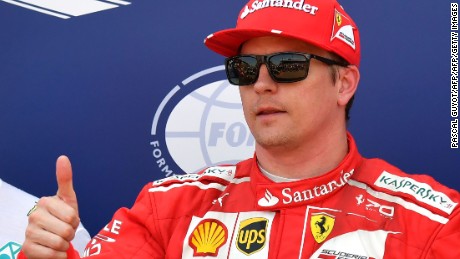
343 30
338 18
321 225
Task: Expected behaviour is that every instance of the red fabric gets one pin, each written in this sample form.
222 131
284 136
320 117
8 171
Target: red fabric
237 212
323 23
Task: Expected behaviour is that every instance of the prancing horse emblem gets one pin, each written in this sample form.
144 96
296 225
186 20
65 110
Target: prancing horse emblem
321 225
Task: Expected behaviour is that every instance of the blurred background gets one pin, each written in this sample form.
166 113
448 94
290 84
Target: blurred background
131 94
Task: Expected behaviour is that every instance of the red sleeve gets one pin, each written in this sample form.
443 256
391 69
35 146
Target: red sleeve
132 233
447 242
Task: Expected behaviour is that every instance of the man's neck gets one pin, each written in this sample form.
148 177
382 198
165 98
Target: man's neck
315 158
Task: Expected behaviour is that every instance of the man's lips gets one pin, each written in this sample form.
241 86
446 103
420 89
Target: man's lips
268 111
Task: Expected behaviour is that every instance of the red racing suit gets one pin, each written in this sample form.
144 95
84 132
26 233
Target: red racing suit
365 208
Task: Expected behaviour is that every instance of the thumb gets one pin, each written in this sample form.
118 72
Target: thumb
64 181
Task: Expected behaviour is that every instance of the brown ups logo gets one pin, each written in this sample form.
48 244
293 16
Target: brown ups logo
252 235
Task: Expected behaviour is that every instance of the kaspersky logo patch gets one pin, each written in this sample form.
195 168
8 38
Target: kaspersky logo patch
208 236
321 225
420 191
65 9
343 30
252 235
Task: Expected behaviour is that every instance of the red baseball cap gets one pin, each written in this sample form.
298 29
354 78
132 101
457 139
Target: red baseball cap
323 23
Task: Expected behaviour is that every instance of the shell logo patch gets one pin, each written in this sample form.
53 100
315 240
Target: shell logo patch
343 30
321 225
252 235
208 236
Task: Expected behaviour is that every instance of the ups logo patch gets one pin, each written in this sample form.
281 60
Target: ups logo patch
252 235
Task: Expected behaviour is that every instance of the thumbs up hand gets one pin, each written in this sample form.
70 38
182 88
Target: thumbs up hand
65 184
53 223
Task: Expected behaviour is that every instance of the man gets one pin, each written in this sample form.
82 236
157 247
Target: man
15 205
307 193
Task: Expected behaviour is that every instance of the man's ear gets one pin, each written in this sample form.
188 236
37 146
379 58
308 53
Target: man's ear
347 84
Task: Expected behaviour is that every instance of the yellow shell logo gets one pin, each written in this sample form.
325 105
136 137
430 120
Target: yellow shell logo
338 18
208 237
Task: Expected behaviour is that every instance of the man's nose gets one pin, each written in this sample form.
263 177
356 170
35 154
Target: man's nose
264 82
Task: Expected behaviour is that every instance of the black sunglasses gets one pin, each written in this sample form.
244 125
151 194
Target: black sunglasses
283 67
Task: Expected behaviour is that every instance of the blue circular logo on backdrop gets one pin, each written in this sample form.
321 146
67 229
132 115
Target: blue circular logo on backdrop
200 123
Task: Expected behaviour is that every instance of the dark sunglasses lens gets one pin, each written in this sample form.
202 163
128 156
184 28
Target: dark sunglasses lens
288 67
242 70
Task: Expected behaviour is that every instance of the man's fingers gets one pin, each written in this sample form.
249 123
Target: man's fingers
65 183
55 216
51 227
36 251
45 238
54 220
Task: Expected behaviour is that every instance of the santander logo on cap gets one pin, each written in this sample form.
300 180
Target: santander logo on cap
297 5
323 23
